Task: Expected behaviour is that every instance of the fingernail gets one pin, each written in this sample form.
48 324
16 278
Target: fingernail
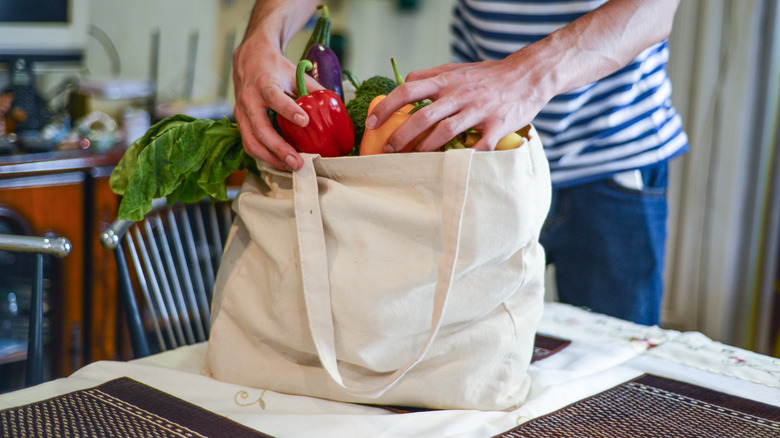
299 120
389 149
371 122
292 163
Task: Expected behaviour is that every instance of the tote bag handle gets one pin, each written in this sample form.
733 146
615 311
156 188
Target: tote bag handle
314 263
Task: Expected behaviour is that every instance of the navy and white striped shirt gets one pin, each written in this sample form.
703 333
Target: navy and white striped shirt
624 121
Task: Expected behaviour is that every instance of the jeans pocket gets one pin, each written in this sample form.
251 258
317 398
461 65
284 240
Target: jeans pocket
651 181
629 179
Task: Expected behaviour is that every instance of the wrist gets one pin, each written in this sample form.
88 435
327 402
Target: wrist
539 72
275 22
259 42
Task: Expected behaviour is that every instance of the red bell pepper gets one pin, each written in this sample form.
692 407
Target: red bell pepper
330 132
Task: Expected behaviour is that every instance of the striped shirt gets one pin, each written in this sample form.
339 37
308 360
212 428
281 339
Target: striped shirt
624 121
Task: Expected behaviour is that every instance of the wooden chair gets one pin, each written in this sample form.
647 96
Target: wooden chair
166 287
40 246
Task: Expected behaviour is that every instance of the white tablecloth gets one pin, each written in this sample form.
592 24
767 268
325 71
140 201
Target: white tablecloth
604 352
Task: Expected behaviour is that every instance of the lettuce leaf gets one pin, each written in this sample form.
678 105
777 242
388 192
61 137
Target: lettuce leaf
181 158
119 177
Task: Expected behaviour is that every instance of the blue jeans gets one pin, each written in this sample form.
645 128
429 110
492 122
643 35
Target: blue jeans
606 241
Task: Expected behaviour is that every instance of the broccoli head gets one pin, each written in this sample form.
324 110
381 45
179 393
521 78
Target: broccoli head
375 86
358 107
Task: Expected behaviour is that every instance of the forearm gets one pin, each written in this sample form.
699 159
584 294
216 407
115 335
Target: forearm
277 21
600 42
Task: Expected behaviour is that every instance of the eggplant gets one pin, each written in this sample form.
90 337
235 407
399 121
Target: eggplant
325 68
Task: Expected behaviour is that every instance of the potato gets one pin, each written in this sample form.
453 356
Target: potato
510 141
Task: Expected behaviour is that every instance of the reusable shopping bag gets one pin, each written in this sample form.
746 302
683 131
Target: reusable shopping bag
401 279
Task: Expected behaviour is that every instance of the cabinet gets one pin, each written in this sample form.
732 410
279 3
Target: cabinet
67 193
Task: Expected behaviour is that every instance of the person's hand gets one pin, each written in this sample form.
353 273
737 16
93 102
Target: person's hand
263 79
493 97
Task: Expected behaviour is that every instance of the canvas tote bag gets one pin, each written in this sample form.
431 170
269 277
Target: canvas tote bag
404 279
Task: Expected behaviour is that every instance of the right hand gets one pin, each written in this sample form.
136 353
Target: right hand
263 78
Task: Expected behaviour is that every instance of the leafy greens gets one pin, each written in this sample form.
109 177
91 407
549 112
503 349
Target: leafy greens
181 158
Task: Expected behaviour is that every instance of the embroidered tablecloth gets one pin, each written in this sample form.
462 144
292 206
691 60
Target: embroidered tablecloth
604 353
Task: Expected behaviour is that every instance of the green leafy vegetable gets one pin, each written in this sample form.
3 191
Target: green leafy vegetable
120 176
181 158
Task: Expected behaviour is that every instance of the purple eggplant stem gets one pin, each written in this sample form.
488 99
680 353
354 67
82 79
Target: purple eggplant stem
325 68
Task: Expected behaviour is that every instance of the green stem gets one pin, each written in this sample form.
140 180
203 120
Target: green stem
300 76
355 82
398 78
418 105
324 38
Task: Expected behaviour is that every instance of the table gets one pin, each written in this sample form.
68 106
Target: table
604 353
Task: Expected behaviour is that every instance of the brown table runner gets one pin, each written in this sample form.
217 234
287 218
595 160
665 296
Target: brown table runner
546 346
652 406
119 408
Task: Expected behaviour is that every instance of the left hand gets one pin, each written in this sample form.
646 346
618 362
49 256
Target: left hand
493 97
